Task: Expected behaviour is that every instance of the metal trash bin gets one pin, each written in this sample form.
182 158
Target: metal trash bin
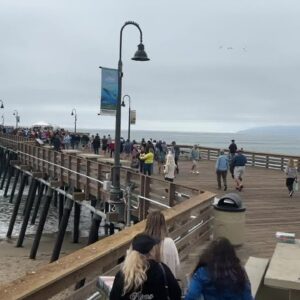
229 219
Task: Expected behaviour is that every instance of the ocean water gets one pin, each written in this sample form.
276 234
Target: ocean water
270 143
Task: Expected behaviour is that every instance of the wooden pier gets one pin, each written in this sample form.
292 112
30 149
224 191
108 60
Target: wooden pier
269 209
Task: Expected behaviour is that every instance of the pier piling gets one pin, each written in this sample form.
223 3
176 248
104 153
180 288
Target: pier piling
17 205
12 193
77 211
41 224
38 202
29 205
10 173
5 167
62 229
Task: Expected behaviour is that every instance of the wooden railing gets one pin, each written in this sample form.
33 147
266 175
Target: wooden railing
189 222
255 159
88 176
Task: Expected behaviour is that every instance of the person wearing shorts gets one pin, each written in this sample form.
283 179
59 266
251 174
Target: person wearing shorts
239 163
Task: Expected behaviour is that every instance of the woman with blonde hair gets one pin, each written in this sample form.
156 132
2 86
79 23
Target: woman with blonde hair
156 227
170 167
291 176
142 277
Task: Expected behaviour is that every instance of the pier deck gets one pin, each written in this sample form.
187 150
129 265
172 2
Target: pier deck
268 207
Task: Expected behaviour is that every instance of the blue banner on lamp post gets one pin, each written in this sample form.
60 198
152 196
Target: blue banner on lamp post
109 92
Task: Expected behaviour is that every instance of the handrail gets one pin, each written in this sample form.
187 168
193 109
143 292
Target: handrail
101 256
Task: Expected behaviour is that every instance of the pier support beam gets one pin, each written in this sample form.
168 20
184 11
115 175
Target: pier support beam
10 173
5 168
16 207
29 205
62 230
12 193
61 203
41 224
94 229
77 211
38 202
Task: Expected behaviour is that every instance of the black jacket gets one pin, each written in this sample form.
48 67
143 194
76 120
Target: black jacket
153 288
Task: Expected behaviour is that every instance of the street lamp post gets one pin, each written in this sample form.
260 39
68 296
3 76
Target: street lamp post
2 107
129 112
74 113
16 114
140 55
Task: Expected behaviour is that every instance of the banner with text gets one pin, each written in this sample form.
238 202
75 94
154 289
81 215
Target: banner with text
132 116
109 92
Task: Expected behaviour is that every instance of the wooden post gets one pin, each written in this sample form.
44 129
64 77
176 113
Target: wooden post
267 161
38 202
6 167
10 173
253 159
12 193
62 230
77 211
96 221
29 195
61 203
42 221
29 205
16 207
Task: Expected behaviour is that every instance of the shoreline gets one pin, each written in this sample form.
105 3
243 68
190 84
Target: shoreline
15 262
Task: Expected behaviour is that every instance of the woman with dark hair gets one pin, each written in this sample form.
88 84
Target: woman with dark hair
219 275
142 277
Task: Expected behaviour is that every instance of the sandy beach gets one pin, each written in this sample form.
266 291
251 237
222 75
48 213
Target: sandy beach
15 262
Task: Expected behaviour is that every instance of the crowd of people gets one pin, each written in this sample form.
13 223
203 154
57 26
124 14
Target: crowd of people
143 155
151 269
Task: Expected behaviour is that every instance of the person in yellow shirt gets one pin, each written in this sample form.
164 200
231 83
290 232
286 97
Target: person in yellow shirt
148 158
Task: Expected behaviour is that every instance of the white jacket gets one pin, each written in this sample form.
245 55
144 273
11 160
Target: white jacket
169 171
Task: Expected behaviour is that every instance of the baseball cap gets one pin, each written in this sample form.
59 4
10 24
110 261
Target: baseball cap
143 243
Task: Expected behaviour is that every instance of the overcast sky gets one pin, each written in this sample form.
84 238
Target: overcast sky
216 65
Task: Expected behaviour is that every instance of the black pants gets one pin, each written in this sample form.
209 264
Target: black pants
289 183
176 163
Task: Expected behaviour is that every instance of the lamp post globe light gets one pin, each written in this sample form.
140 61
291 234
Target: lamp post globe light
16 114
129 112
74 113
140 55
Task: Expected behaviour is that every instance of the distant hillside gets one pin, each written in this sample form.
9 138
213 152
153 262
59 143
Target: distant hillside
274 130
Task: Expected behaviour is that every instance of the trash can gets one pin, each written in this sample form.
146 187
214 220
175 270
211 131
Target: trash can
229 220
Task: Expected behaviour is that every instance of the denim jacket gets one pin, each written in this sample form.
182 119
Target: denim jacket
202 286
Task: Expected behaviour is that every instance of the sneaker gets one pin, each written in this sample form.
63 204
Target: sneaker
291 193
197 172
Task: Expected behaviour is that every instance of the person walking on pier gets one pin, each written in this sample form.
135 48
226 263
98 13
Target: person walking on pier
195 157
219 274
156 227
170 167
142 276
232 148
96 144
291 176
222 165
238 163
176 152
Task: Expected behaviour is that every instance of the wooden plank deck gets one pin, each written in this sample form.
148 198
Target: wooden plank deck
268 207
